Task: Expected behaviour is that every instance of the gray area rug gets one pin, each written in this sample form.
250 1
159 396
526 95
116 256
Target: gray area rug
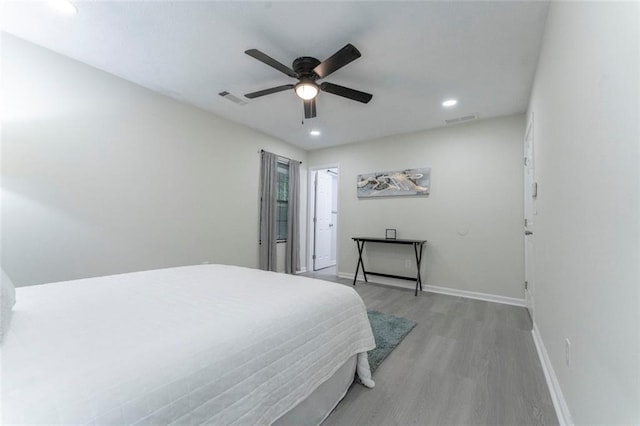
388 331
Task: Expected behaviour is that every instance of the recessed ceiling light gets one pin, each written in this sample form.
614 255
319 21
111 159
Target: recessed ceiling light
64 7
449 103
315 133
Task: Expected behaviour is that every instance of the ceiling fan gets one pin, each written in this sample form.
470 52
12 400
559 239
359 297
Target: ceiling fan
308 70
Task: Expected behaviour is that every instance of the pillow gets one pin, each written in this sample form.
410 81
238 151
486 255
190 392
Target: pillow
7 300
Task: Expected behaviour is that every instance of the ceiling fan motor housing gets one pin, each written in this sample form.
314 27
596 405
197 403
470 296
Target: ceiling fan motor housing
304 66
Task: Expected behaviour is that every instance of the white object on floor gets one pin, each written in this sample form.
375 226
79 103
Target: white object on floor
7 301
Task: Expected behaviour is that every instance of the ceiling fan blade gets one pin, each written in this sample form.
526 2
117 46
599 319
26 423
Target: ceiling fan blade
345 92
255 53
310 108
339 59
268 91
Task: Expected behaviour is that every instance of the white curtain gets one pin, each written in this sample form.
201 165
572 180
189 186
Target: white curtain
268 200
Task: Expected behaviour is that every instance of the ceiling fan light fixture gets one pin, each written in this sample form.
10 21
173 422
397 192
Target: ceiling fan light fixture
306 90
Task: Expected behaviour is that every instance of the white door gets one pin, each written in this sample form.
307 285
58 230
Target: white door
530 194
322 249
334 217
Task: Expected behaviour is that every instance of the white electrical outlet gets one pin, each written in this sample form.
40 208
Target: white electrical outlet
567 352
407 263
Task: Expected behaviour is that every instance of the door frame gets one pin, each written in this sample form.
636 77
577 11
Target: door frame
529 200
311 200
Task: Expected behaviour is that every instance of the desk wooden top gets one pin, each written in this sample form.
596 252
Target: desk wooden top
388 240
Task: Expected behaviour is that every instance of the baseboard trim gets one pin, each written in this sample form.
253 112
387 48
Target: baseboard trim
559 403
476 295
379 280
441 290
302 270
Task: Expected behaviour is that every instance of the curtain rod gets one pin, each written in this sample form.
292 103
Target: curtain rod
279 156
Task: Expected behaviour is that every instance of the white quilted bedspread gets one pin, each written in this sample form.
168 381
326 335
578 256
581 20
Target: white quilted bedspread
191 345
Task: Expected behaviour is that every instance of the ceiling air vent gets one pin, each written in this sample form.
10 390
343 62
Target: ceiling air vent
462 119
232 98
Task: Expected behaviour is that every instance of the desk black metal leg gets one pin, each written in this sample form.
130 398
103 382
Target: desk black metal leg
360 245
418 265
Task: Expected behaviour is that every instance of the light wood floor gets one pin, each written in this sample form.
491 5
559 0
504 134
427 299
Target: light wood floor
466 362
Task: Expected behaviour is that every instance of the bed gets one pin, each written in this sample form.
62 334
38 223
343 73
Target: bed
206 344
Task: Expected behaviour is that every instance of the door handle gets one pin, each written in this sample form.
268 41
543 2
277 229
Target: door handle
528 233
331 224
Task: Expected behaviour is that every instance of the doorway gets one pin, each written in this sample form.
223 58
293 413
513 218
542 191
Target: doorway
323 218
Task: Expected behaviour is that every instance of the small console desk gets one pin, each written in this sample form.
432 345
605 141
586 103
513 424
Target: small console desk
417 248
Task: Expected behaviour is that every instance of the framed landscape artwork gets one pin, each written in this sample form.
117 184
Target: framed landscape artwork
395 183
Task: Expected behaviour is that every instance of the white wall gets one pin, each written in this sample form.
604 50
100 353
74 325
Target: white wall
476 185
586 117
102 176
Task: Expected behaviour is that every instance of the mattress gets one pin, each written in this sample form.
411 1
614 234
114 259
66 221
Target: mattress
317 407
206 344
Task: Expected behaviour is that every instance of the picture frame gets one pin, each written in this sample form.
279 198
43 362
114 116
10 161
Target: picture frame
405 182
390 234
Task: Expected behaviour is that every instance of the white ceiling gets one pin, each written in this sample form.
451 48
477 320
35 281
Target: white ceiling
414 55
